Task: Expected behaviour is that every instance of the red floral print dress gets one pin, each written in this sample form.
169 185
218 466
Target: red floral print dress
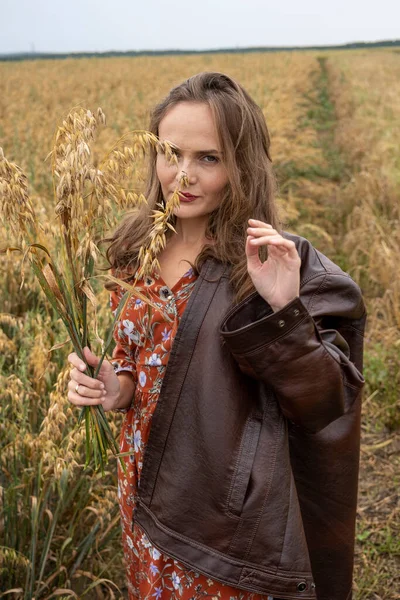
144 337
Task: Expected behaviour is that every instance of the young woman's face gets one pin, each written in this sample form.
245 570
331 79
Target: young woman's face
190 128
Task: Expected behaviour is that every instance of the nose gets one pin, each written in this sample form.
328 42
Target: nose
186 173
185 179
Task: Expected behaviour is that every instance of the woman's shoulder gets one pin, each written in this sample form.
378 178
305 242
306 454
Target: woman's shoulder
323 283
313 260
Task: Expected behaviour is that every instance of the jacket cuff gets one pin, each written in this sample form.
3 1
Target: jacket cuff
253 324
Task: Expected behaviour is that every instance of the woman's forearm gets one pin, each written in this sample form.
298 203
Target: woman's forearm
127 389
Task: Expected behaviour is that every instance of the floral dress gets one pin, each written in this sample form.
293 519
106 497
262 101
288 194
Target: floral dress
144 338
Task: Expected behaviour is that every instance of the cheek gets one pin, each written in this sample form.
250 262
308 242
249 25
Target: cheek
220 182
159 168
164 171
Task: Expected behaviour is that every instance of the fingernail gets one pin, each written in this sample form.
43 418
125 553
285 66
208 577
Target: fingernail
104 392
82 367
102 386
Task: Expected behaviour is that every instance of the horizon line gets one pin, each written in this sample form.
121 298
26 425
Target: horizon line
200 51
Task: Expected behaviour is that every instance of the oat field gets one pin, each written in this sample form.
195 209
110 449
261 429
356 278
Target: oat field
334 120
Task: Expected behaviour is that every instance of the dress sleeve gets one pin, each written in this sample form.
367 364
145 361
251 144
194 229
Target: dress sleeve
309 352
123 356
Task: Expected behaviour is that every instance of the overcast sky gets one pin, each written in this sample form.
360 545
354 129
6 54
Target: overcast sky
98 25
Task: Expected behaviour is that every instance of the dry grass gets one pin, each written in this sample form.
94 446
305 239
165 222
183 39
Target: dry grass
338 173
365 89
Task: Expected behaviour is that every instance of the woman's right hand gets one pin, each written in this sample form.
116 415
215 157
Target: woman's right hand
104 390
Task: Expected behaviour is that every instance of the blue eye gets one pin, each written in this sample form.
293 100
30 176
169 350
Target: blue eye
213 158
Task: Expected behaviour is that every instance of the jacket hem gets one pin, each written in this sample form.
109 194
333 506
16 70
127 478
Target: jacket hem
217 566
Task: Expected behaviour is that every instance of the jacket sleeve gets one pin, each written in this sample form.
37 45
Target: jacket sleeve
304 351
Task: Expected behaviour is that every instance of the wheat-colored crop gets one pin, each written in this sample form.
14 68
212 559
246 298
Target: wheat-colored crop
354 217
35 418
84 195
369 116
15 205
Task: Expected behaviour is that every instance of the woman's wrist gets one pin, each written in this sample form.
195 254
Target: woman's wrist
126 391
276 308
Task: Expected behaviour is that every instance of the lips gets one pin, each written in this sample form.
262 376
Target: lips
185 197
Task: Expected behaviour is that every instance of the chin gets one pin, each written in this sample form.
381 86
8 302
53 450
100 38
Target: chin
189 213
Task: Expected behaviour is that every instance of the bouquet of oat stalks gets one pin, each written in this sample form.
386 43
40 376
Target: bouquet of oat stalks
63 252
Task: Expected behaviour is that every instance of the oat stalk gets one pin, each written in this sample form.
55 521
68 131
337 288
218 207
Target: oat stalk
85 197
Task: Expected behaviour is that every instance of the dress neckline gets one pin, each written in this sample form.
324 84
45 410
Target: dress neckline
178 283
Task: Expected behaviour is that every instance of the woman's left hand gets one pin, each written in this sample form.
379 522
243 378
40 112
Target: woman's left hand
277 280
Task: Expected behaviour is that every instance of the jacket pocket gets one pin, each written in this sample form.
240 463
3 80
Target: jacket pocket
244 465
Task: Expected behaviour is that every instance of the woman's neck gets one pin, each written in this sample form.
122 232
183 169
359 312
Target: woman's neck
191 232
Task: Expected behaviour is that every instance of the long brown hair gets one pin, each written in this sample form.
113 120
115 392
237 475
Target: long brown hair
250 192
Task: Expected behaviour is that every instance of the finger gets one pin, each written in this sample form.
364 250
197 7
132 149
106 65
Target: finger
85 391
259 231
78 400
284 248
85 380
288 245
276 240
253 259
77 362
275 250
268 239
250 249
256 223
91 358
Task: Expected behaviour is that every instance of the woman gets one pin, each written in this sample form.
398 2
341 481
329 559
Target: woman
242 479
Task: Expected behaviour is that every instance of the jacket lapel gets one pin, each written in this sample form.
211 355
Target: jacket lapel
178 364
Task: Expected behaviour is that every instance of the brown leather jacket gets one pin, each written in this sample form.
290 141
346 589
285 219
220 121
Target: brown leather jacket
250 473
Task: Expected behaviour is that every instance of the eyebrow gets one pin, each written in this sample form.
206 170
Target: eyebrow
199 152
